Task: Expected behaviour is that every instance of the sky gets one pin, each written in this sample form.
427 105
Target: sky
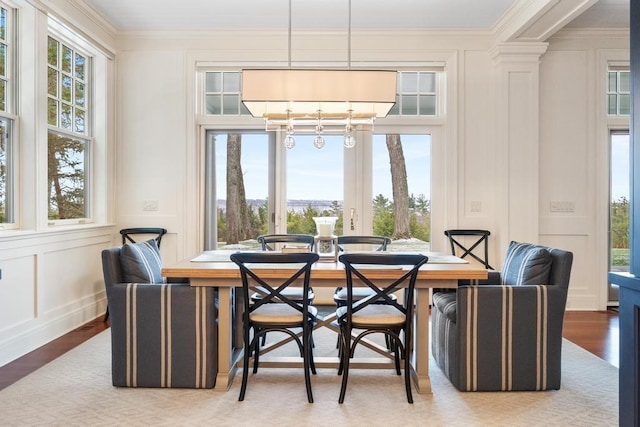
316 174
619 166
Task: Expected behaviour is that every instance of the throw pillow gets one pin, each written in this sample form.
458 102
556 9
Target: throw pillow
525 265
141 262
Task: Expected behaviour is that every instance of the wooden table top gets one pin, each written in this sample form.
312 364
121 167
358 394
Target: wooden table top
439 267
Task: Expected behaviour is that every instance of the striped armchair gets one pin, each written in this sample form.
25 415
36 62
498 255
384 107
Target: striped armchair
505 333
162 334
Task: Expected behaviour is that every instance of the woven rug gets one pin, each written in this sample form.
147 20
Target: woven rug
76 389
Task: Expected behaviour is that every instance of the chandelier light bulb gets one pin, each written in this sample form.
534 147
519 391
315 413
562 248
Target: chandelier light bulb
289 141
318 141
349 140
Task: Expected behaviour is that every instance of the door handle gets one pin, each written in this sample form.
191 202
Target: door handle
352 213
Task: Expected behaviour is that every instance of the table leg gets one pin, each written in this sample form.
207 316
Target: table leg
420 372
226 357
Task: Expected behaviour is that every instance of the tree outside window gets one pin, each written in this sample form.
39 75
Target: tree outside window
68 142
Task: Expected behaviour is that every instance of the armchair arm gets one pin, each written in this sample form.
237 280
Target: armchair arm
163 335
492 279
514 329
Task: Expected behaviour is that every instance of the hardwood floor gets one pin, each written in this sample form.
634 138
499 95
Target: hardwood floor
595 331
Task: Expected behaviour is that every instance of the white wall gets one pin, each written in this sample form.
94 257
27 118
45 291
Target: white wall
160 132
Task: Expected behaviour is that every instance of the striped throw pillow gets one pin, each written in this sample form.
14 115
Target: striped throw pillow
141 262
525 265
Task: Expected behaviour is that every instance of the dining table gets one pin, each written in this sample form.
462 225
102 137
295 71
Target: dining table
215 269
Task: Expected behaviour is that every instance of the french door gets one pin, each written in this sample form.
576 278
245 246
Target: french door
285 188
618 207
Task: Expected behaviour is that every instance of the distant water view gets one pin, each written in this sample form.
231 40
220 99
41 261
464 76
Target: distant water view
292 205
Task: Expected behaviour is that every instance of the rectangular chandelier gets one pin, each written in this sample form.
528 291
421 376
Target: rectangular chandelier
286 96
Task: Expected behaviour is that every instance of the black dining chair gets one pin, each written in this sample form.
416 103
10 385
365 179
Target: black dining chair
276 311
393 319
464 242
269 242
129 235
374 243
361 243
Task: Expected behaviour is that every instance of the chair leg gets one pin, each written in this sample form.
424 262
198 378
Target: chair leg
245 365
340 351
396 354
256 355
407 376
311 361
344 363
106 315
308 365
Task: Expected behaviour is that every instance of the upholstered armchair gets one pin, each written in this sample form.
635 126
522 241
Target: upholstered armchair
162 334
505 333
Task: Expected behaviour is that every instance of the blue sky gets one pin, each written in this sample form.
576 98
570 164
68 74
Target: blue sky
619 166
316 174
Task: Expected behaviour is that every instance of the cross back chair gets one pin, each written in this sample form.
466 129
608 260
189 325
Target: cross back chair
129 233
276 311
268 241
393 319
457 244
378 244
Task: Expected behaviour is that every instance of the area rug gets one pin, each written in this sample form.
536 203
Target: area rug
76 389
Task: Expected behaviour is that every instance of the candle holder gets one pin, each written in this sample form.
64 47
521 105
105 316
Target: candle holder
326 242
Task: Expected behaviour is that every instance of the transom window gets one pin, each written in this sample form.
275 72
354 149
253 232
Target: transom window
619 93
222 94
68 136
416 94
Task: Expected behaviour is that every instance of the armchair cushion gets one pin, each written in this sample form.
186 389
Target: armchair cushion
446 303
526 265
141 263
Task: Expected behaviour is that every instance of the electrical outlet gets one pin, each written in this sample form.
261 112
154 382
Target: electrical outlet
476 206
149 205
562 206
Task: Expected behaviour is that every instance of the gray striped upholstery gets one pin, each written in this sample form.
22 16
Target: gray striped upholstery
491 337
162 335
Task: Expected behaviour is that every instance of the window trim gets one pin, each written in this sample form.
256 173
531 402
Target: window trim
65 36
11 196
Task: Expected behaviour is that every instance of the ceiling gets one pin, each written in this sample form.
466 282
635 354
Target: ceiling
262 14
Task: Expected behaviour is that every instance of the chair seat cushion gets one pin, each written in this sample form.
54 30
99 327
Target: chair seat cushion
526 265
378 314
446 303
279 314
358 293
141 263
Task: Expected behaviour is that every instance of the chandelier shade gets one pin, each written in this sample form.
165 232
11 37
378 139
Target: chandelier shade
299 94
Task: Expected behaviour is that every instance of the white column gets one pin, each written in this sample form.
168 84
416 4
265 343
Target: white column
517 145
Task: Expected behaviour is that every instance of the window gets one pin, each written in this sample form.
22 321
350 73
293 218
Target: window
222 94
416 94
7 190
352 184
68 137
618 92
